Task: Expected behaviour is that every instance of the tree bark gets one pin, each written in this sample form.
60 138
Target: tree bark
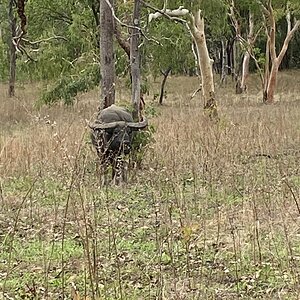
223 61
12 50
266 70
236 62
95 8
205 64
124 44
107 60
162 89
135 61
270 80
246 59
245 71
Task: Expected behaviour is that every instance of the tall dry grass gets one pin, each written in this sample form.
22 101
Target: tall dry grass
184 136
229 193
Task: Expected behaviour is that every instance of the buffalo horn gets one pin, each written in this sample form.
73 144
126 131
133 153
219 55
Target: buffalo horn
138 125
107 125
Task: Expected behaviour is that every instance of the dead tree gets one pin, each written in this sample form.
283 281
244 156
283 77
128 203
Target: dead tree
162 88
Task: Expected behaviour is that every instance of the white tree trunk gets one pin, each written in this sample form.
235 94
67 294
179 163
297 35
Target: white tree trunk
246 60
205 64
245 71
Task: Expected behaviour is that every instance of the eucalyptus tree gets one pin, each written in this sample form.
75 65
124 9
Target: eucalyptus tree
272 10
205 64
64 35
12 49
64 46
255 24
215 12
195 23
135 59
171 53
247 23
107 54
15 38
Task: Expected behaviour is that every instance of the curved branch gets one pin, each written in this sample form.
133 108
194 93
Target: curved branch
127 25
56 37
122 41
168 13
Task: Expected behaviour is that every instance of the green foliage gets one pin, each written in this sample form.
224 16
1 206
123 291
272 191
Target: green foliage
48 65
122 66
215 14
143 138
75 25
67 87
175 42
141 142
3 61
174 49
62 33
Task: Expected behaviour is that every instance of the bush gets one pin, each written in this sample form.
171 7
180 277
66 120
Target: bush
141 141
67 87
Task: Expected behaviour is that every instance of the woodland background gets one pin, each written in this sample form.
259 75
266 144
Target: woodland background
213 210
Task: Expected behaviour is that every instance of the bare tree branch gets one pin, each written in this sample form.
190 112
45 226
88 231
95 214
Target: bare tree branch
45 40
23 50
288 20
168 13
265 10
125 45
57 15
272 32
249 49
127 25
196 91
118 20
287 39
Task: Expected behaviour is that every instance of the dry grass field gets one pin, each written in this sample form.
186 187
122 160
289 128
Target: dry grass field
213 213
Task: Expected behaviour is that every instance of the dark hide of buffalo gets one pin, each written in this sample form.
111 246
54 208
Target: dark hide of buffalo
112 135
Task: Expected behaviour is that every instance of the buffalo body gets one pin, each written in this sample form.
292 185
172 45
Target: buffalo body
112 134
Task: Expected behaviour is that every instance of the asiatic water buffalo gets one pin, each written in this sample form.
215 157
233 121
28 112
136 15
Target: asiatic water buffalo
112 134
